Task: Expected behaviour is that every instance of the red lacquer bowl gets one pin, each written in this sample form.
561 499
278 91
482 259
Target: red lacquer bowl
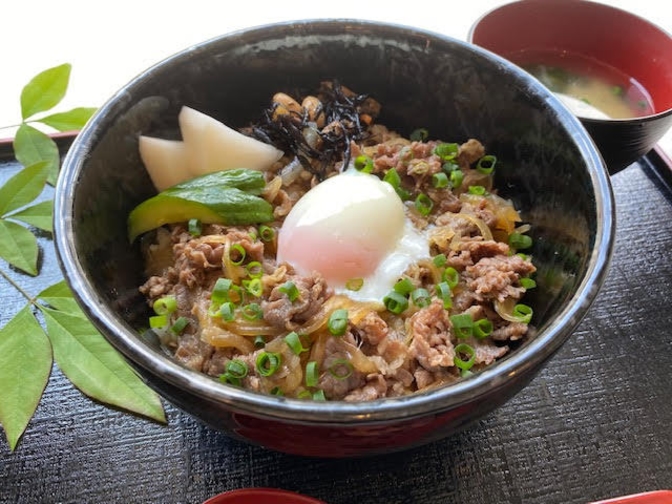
600 34
654 497
261 496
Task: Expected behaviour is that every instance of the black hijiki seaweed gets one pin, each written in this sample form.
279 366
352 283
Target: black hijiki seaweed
343 126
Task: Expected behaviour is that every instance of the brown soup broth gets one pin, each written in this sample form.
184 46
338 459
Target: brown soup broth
596 84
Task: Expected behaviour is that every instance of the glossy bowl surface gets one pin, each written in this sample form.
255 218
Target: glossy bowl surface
261 496
634 46
547 164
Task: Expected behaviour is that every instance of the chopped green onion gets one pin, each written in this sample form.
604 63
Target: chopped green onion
403 194
237 368
419 135
158 321
254 286
486 164
456 177
312 376
519 241
338 322
277 391
165 305
523 313
464 350
305 394
354 284
392 177
439 180
451 276
404 286
237 254
319 395
268 363
226 311
194 227
255 269
482 328
290 289
213 310
447 151
444 293
465 373
224 291
423 204
179 325
294 343
252 311
259 341
341 369
463 325
266 233
232 380
364 163
478 190
449 167
527 283
439 260
420 297
220 292
395 302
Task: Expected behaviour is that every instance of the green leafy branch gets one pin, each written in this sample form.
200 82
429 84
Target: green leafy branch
51 327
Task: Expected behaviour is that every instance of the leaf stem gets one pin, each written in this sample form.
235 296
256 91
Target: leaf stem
11 126
28 297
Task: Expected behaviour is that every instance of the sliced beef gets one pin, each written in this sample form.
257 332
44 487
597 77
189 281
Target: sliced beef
496 278
280 311
430 328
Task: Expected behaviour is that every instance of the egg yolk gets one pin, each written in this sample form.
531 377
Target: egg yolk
343 227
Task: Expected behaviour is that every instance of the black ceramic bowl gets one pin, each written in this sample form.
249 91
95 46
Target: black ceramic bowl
547 164
601 37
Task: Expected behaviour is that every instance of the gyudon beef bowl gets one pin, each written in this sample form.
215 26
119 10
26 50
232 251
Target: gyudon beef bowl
335 237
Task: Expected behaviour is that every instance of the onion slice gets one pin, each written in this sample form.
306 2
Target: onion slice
505 309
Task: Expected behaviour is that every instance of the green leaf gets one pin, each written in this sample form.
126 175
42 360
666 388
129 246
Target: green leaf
96 368
25 365
23 187
32 146
18 246
60 297
74 119
45 90
39 215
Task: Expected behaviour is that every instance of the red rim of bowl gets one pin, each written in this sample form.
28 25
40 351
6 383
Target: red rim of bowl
653 497
261 496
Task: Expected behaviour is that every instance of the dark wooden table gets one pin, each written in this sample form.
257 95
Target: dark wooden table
595 423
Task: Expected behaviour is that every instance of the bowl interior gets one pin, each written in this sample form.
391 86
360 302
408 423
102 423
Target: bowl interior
546 164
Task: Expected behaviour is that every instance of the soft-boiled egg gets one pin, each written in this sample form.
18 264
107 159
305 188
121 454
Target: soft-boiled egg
351 227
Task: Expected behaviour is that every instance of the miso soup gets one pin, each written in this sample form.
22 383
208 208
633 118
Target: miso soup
588 87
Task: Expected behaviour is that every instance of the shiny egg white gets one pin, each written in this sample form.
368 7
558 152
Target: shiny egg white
352 226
